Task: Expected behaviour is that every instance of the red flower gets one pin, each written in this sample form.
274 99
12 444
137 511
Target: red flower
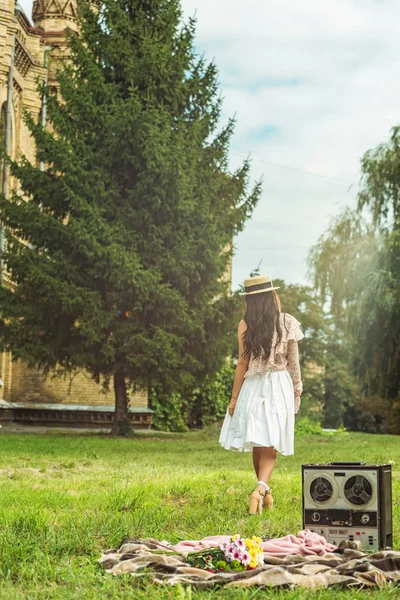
208 557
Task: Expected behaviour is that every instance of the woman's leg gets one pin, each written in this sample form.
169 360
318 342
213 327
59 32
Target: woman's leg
256 459
264 459
266 464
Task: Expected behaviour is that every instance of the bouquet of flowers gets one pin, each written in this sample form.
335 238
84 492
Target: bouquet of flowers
236 555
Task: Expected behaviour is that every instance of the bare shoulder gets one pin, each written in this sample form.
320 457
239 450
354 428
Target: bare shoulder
242 326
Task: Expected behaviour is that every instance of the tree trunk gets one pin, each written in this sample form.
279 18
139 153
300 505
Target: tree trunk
121 425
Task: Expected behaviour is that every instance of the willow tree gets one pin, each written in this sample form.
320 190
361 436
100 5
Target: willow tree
356 266
119 254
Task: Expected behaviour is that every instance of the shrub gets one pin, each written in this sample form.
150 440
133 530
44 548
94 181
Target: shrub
370 415
307 427
168 411
204 406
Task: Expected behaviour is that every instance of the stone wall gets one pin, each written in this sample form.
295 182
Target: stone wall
21 384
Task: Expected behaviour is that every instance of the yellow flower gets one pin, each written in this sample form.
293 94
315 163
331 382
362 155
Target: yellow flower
253 564
234 537
257 539
250 547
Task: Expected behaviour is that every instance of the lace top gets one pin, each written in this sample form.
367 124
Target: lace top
284 355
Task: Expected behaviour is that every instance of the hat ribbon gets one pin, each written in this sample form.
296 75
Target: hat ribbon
259 286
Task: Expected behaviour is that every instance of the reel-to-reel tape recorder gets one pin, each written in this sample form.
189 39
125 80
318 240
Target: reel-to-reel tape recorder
349 501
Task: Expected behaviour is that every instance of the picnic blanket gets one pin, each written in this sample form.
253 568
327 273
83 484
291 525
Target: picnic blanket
305 560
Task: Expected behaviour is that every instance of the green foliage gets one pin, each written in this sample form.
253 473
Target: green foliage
303 303
120 253
306 426
204 406
207 559
209 403
371 414
169 411
324 356
313 397
340 386
356 267
381 182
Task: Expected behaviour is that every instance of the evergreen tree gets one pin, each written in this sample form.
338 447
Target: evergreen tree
118 255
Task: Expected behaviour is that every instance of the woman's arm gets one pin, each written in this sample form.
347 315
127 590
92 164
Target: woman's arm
295 372
241 368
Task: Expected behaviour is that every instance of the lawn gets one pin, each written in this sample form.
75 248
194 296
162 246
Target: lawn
66 498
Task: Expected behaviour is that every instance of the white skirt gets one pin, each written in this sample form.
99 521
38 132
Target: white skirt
264 415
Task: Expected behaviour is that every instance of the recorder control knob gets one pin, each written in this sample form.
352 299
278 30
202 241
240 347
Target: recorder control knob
315 517
365 518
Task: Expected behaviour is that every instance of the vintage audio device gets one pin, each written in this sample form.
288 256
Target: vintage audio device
349 501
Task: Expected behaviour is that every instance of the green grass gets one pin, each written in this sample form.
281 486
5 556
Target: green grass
66 498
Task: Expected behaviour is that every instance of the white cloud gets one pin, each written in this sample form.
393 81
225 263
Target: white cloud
325 74
322 78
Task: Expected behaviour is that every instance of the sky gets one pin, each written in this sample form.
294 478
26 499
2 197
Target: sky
313 85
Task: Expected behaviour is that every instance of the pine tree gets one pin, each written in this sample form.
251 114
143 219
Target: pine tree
118 248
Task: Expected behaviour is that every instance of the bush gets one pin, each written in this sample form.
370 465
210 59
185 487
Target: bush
394 417
370 415
209 403
204 406
307 427
168 411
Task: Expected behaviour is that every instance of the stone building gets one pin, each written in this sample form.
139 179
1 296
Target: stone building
24 394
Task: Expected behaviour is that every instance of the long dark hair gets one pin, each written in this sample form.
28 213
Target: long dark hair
262 318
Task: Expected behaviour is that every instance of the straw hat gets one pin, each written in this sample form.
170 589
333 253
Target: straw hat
258 284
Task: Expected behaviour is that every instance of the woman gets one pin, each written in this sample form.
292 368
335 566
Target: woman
267 386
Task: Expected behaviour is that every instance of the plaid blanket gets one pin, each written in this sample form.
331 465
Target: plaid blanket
345 566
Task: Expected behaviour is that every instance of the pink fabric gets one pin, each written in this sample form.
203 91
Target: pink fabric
306 542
